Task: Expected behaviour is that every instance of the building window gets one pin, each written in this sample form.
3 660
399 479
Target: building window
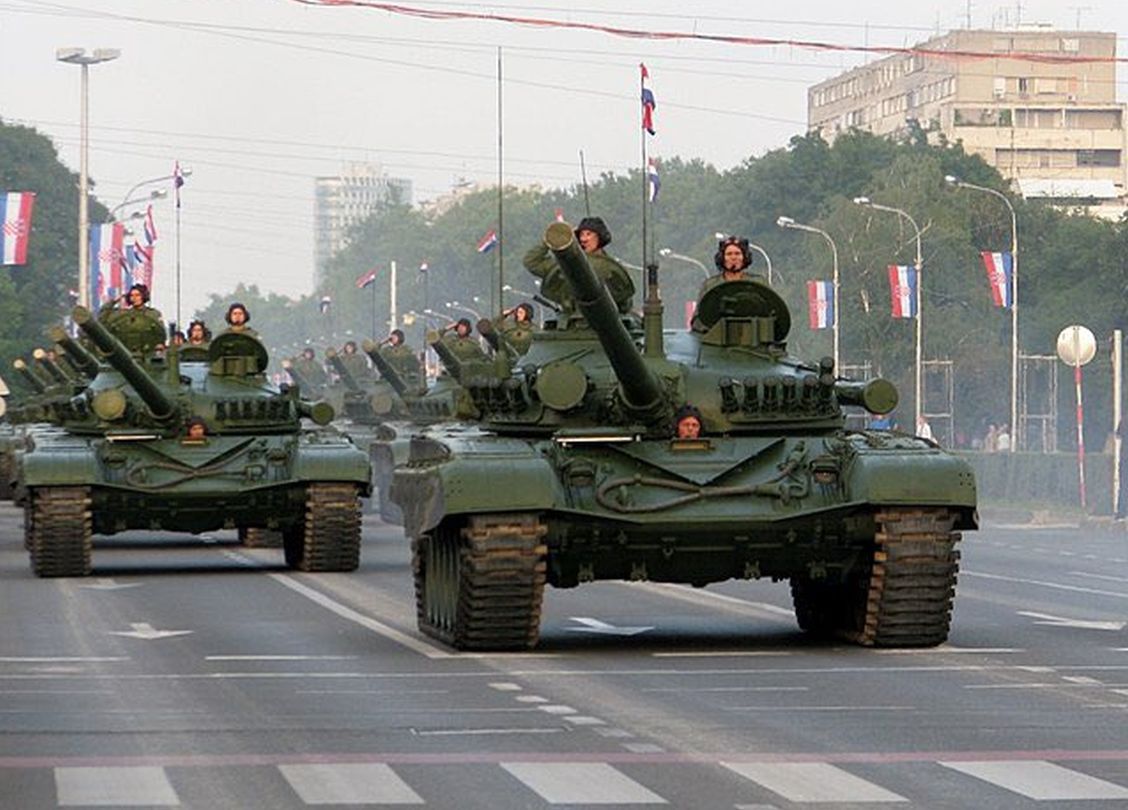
1106 158
1071 44
1023 85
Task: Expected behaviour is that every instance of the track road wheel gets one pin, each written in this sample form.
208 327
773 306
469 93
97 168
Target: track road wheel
57 531
329 538
905 598
479 585
260 538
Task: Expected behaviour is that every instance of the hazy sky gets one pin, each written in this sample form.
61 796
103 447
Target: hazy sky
258 97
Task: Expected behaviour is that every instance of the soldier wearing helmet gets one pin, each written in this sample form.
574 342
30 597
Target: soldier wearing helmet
593 236
733 258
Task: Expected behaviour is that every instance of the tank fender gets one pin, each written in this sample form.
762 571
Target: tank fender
510 477
922 475
58 461
333 459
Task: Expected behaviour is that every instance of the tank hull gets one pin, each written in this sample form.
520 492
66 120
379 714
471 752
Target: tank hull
817 510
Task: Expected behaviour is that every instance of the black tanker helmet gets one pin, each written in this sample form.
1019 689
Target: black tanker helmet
687 410
143 289
719 258
598 227
234 306
527 308
399 336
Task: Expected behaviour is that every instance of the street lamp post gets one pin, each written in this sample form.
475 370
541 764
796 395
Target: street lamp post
155 194
866 201
788 222
955 181
682 257
758 249
78 56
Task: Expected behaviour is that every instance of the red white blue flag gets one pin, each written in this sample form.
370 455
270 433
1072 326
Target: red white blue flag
150 229
15 225
1000 275
648 103
107 256
487 242
902 286
366 279
654 184
820 304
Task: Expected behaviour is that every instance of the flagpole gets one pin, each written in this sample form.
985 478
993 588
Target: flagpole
394 319
177 258
645 201
496 305
374 324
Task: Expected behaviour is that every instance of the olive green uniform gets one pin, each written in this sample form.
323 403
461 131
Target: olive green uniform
311 371
140 329
403 360
517 335
555 287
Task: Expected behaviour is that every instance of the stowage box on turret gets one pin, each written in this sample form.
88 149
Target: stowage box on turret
575 475
188 444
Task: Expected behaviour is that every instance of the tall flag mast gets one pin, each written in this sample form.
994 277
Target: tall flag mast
648 105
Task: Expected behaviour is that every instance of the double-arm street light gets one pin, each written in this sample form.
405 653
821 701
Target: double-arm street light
755 247
668 253
155 194
955 181
866 201
455 305
788 222
78 56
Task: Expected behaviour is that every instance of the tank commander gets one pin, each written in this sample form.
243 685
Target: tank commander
237 318
198 334
309 369
355 362
516 326
733 258
137 325
593 235
402 358
196 430
461 341
687 422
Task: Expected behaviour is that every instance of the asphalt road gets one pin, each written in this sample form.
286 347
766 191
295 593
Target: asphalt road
201 674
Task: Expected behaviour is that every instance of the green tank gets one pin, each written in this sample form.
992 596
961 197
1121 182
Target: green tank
126 457
574 475
422 406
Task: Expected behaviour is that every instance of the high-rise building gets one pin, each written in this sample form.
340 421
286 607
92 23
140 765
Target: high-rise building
1038 104
341 201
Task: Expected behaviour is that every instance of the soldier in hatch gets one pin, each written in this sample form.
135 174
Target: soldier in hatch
311 371
355 362
462 343
593 235
402 358
198 334
733 258
517 327
137 325
237 318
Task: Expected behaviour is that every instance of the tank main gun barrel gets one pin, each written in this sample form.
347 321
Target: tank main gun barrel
641 389
29 376
296 376
83 360
343 371
372 349
876 396
449 359
320 412
160 404
56 373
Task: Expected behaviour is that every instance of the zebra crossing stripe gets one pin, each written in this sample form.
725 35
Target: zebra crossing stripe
349 783
1041 780
114 787
581 783
812 782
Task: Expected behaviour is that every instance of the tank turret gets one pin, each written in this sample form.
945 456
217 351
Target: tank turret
162 407
641 389
84 361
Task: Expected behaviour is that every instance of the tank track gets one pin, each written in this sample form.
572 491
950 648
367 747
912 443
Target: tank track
905 598
57 530
254 537
480 586
329 540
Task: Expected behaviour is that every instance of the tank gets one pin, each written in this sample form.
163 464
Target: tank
421 406
575 475
125 458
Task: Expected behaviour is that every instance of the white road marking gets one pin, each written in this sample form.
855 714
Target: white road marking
483 732
603 628
812 782
281 657
531 699
146 631
720 654
697 596
584 720
506 687
1097 576
62 659
349 783
643 748
1077 624
1040 780
107 786
1055 585
728 689
345 612
587 783
945 648
557 709
106 584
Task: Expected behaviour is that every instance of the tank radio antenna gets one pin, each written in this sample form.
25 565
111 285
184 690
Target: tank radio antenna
583 177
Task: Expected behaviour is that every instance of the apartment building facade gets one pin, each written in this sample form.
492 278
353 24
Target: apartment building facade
1037 103
347 198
